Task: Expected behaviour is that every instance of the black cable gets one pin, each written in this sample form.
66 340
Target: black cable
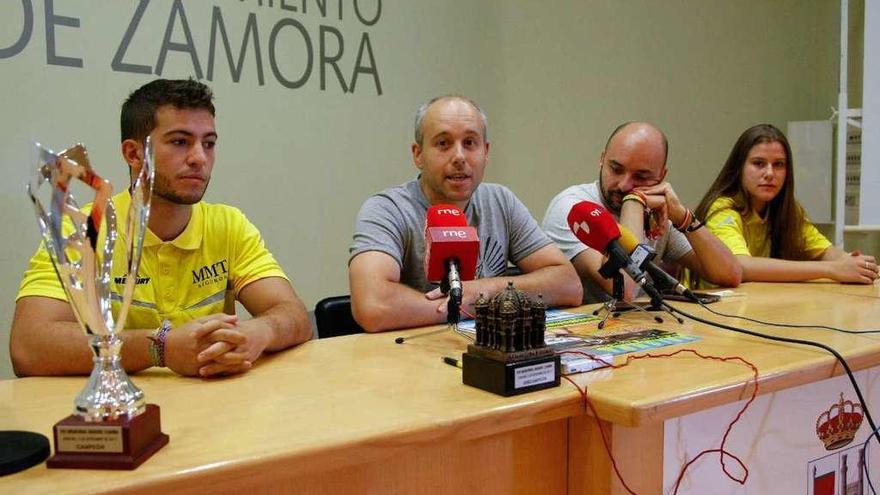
865 466
849 373
785 325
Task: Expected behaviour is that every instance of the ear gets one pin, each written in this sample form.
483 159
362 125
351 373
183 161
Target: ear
601 159
663 173
133 154
417 155
487 151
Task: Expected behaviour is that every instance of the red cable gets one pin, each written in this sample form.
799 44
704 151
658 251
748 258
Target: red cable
601 433
720 449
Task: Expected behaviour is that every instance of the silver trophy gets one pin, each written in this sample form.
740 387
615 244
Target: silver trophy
71 237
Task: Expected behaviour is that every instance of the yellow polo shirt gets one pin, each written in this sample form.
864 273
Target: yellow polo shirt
749 236
199 273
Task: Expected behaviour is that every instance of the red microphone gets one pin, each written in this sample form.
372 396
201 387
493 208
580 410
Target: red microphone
596 228
452 249
448 237
592 225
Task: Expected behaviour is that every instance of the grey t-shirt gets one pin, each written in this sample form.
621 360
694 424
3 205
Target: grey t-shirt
670 247
393 222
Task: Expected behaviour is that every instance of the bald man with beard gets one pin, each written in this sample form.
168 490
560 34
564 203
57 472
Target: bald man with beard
632 187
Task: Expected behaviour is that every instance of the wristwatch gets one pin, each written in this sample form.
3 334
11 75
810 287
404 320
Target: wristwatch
695 225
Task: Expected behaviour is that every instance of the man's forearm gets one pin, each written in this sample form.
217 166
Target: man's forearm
63 349
717 264
392 305
558 285
285 324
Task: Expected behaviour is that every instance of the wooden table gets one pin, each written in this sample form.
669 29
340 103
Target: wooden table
361 414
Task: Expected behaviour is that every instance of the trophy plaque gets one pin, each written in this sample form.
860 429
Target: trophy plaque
111 426
509 356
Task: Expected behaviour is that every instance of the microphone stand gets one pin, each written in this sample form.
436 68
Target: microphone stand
449 326
616 305
451 286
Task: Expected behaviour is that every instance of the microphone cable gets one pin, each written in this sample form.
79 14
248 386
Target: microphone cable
785 325
830 350
865 465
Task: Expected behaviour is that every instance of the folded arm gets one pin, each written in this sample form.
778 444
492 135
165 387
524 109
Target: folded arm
279 320
547 272
381 302
47 340
833 263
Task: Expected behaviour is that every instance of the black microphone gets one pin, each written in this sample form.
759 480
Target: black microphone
643 256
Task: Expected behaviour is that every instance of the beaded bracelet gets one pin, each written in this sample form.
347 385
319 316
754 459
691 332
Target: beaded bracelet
633 196
686 221
157 344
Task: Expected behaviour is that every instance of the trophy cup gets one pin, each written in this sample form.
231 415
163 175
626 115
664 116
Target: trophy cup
112 427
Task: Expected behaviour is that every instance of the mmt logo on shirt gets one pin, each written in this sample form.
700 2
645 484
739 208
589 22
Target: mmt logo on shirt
209 274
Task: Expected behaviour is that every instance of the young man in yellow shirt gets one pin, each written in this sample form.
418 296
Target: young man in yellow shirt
196 258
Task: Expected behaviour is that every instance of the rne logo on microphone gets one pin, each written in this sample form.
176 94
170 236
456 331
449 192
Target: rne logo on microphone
448 211
577 226
461 234
596 212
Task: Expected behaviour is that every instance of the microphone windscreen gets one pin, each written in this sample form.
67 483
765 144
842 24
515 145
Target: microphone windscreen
445 216
627 239
592 225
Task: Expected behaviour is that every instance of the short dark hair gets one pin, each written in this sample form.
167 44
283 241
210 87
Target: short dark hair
138 116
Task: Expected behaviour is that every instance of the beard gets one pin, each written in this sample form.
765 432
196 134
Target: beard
612 199
162 187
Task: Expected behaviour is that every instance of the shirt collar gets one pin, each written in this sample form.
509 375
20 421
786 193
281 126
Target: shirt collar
189 239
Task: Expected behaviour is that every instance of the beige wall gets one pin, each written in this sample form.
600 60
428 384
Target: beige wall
555 77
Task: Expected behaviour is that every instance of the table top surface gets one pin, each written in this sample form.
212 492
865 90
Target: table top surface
347 399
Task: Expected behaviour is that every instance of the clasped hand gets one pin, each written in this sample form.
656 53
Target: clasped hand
212 345
663 201
856 268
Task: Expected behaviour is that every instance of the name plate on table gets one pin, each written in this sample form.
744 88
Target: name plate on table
536 374
79 438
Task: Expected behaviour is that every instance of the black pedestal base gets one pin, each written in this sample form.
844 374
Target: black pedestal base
510 378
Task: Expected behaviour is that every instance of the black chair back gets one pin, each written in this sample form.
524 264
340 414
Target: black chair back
333 317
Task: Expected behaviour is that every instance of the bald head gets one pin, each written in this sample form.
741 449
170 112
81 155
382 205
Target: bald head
419 132
642 135
635 156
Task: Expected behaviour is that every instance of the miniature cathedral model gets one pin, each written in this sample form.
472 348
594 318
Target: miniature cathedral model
510 326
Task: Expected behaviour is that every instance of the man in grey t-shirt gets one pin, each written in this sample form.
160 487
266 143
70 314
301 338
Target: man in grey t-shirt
634 159
386 267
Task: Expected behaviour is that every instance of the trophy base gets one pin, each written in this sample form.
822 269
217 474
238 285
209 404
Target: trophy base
510 378
113 444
